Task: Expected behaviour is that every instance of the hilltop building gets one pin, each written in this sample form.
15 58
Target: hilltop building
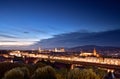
94 53
59 50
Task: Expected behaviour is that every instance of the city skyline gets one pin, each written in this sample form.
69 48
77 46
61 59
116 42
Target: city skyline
59 23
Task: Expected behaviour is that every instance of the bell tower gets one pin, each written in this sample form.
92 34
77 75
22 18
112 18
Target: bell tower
39 50
94 52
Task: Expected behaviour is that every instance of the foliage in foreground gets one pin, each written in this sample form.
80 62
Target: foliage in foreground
82 74
47 72
15 73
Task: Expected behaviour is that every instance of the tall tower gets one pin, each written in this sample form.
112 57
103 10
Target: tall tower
55 50
39 50
80 52
94 52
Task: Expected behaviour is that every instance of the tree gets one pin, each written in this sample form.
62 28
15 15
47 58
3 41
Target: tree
88 74
82 74
15 73
26 73
61 73
74 74
46 72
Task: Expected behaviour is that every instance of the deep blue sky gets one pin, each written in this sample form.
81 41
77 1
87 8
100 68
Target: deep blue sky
35 20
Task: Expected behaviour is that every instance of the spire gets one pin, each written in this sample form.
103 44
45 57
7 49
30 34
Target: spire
39 50
80 52
94 52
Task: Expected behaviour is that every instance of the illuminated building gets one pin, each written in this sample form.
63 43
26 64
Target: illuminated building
62 50
94 53
55 50
15 53
59 50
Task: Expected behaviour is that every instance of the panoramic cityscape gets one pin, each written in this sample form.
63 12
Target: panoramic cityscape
59 39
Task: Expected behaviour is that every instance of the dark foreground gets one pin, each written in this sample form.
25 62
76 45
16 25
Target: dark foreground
43 70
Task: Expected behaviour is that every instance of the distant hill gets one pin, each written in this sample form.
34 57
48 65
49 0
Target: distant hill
94 46
91 47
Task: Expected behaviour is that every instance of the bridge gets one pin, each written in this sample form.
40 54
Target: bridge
76 61
110 63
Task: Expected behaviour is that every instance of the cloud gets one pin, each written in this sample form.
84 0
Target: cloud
53 27
26 32
16 43
7 36
72 39
39 31
107 38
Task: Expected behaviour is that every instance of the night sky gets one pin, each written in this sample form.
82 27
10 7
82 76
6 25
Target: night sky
57 23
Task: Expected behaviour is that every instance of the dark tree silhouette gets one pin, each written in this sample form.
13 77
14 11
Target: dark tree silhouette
15 73
46 72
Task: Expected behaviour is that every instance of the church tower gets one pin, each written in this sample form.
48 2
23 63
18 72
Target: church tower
39 50
94 52
80 52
